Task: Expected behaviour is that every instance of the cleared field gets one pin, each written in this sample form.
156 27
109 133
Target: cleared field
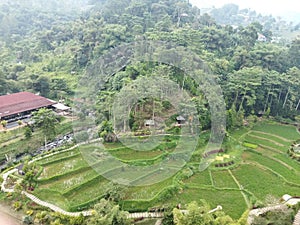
69 181
286 159
232 201
222 179
262 182
284 131
199 179
91 190
284 171
52 197
147 192
63 166
238 133
275 138
129 154
58 156
265 142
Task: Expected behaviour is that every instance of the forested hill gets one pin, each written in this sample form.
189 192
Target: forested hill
48 50
232 14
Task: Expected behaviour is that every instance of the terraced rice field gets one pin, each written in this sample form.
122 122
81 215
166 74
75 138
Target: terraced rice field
262 169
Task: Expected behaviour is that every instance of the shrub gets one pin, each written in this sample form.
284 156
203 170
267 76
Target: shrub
250 145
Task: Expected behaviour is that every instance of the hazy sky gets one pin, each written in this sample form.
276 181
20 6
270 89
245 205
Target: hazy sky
274 7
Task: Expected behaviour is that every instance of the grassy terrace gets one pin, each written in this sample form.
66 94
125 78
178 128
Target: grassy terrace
69 181
261 182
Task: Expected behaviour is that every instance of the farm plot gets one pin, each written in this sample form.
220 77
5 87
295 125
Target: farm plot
262 182
147 192
199 179
288 160
266 143
68 181
62 166
276 139
222 179
282 169
232 201
283 131
58 156
129 154
92 189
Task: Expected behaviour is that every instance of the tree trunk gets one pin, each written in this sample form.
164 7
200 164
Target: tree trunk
279 96
243 99
298 105
266 104
286 97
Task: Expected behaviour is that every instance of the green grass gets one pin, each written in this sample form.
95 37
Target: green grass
85 193
73 190
287 173
288 160
285 131
61 167
69 181
199 179
129 154
238 133
232 201
58 156
147 192
222 179
256 140
11 135
249 145
278 139
113 145
263 182
52 197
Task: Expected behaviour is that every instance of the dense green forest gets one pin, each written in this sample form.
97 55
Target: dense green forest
47 51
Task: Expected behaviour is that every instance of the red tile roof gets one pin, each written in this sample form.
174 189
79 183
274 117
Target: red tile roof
21 102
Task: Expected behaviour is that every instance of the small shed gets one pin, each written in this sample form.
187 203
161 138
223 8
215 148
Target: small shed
149 123
260 113
286 197
61 108
180 120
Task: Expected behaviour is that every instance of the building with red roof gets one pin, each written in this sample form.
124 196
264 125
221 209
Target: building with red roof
20 104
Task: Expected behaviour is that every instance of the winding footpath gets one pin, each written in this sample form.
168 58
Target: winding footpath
297 219
58 209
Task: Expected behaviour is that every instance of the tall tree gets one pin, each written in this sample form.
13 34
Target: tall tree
106 213
46 120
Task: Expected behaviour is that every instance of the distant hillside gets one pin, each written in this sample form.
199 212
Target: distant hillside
231 14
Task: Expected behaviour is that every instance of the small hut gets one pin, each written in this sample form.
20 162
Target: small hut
149 123
180 120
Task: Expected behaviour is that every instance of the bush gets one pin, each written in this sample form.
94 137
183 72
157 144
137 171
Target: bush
81 136
250 145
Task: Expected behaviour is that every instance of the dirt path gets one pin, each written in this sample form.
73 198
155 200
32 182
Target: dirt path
241 188
297 219
266 139
274 135
8 216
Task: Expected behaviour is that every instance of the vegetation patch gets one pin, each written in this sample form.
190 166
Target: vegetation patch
222 179
262 182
